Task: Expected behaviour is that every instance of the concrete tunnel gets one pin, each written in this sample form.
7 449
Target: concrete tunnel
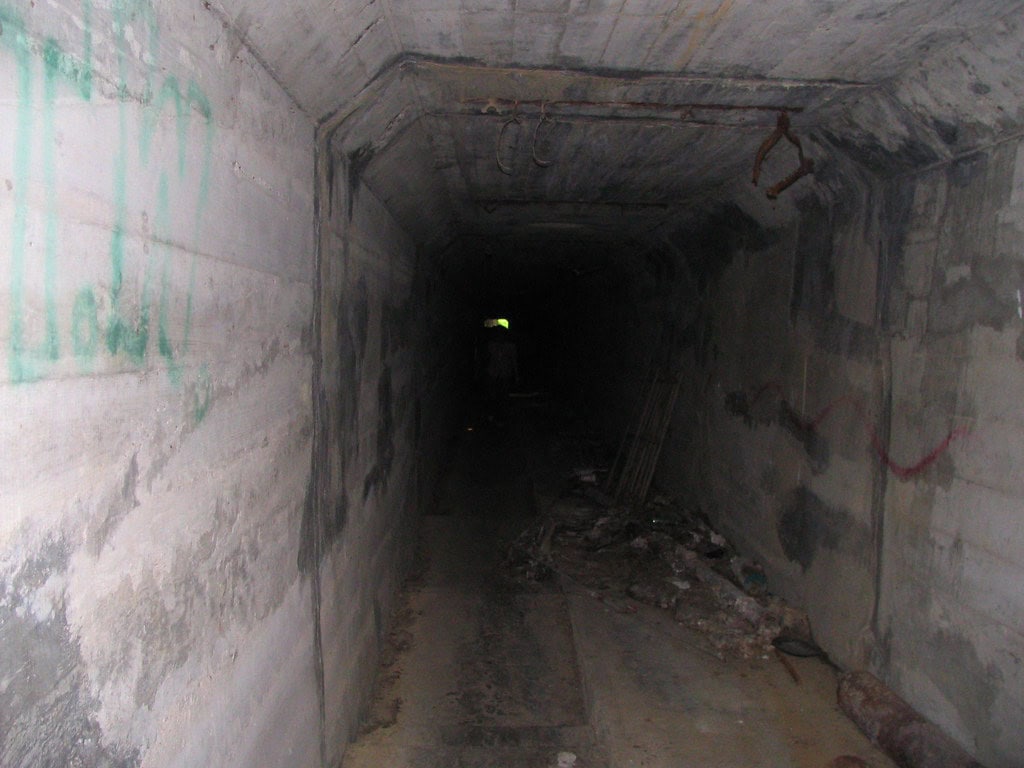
247 246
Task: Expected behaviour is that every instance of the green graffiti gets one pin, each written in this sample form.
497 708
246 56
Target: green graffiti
85 328
197 100
85 73
126 329
163 210
77 71
131 338
21 368
52 58
27 362
184 105
204 385
126 12
122 335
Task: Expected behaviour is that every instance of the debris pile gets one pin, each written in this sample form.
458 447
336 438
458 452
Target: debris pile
664 555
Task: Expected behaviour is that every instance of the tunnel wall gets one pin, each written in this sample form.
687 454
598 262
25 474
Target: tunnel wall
951 618
385 388
157 266
848 420
780 385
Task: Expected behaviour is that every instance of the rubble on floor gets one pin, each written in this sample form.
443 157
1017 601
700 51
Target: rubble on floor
663 555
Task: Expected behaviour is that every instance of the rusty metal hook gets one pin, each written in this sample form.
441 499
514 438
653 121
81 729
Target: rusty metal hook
536 132
517 120
805 166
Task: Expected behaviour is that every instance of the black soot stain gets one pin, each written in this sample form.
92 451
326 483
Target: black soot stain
964 170
726 232
806 524
958 671
381 470
358 161
353 327
814 443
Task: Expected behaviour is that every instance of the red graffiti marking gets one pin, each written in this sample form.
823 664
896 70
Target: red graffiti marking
771 386
905 472
901 471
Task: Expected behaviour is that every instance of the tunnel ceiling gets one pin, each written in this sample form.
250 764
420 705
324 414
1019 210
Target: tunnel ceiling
601 120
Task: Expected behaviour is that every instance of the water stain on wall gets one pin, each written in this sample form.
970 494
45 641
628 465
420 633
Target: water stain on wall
985 295
381 471
358 161
956 669
815 445
814 272
759 410
352 330
966 170
310 533
122 502
806 525
915 150
724 233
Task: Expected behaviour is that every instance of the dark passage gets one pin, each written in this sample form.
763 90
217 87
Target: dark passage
507 652
479 670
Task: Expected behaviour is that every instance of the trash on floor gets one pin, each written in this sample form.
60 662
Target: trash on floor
797 646
665 555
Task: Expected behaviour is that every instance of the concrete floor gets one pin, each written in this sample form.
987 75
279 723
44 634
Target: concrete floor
480 672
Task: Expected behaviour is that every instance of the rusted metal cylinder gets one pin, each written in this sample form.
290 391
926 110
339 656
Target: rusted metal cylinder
896 727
